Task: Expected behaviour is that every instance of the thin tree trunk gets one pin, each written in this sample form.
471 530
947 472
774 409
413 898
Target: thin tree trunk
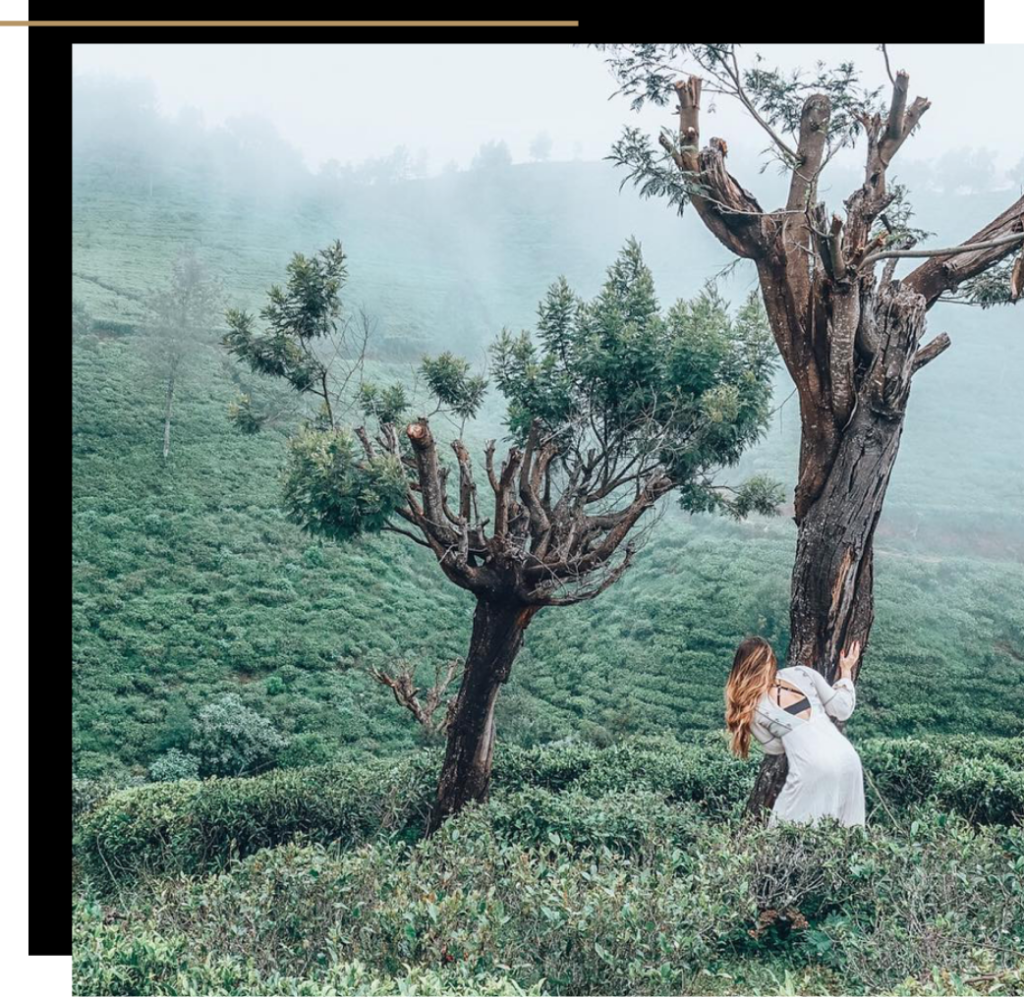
498 630
167 416
832 598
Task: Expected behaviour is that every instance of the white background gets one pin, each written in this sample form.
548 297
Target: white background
1004 21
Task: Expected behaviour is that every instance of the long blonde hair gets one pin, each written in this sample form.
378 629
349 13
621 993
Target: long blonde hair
752 669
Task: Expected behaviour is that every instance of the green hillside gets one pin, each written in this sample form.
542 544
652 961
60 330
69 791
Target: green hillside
612 855
189 581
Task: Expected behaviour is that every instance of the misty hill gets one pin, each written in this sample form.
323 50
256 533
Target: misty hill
189 581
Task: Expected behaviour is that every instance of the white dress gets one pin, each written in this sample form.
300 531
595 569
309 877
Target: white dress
825 777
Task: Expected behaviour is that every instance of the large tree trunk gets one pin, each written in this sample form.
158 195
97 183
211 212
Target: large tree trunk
498 629
167 416
850 346
832 600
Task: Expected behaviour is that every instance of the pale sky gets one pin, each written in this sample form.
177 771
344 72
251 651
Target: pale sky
350 102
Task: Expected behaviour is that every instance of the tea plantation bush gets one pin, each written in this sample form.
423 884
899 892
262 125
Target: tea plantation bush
621 797
866 909
190 826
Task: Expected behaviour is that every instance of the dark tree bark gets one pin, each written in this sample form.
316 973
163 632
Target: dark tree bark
540 552
832 600
498 629
850 342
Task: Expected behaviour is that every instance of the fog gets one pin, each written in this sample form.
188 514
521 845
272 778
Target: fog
358 101
251 153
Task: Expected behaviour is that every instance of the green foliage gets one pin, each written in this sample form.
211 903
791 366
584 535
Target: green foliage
310 306
228 738
87 793
244 416
895 221
621 821
690 390
174 764
649 73
197 826
111 959
989 288
903 770
450 382
276 355
306 310
620 892
780 98
986 790
333 490
619 798
111 327
652 171
386 404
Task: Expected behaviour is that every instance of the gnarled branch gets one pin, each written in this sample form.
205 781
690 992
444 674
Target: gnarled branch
983 250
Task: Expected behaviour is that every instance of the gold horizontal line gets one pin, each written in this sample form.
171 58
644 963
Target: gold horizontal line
286 24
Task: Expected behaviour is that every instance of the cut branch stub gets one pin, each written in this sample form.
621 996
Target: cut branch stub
929 352
688 92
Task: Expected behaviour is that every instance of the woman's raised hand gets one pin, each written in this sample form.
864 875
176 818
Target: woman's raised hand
848 658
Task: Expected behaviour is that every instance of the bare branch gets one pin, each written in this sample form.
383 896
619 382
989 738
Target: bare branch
406 533
928 353
968 247
934 277
401 682
489 455
887 69
467 487
591 593
365 440
811 148
731 213
502 497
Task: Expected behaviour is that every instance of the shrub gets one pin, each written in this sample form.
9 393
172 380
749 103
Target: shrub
87 793
903 770
81 320
874 906
626 822
228 738
199 826
112 328
552 766
174 764
115 959
983 790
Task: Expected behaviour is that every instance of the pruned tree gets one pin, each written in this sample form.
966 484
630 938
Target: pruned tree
849 332
612 406
185 313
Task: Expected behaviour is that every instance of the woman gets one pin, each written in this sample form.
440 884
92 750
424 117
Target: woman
788 710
